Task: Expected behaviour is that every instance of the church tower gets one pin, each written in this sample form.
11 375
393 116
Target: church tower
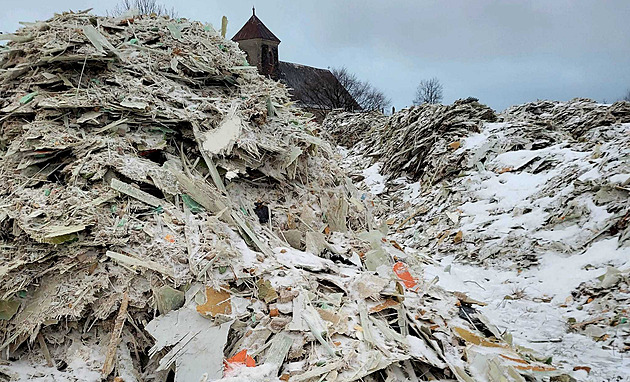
260 45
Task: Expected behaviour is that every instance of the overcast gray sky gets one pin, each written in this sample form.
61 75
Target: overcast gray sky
502 52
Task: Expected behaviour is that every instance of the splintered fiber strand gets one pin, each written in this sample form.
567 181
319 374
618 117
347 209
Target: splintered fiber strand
114 340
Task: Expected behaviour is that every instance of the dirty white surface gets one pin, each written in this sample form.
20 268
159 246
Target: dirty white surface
529 319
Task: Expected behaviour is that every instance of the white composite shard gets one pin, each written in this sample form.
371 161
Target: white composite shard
197 344
222 139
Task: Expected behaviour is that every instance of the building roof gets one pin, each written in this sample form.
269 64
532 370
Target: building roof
253 29
302 78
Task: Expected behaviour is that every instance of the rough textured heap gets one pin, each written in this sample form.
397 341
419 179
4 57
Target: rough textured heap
163 210
542 199
415 142
576 116
347 128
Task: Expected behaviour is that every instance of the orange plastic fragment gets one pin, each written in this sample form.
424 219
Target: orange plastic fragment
402 271
396 245
389 303
585 368
535 368
443 236
519 360
169 238
458 237
240 358
505 169
473 338
454 145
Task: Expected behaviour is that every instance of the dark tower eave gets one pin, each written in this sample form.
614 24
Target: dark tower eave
255 29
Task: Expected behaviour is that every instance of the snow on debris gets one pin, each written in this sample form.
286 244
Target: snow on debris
531 217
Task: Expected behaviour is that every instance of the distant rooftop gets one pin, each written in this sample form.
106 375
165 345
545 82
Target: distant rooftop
303 80
253 29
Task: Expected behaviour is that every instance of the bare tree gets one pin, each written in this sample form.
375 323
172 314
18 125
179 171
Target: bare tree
367 96
144 7
342 90
429 91
627 96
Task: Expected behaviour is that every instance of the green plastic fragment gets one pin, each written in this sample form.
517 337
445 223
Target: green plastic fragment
222 269
113 208
21 293
176 31
193 206
8 308
63 238
28 98
623 320
122 222
47 192
158 210
168 298
266 291
62 234
133 41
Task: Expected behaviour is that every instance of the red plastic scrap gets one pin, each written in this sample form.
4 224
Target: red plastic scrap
402 271
240 358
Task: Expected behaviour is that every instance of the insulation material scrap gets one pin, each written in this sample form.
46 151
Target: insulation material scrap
221 139
197 345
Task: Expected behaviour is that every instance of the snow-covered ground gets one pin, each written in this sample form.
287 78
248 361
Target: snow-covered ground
519 203
518 303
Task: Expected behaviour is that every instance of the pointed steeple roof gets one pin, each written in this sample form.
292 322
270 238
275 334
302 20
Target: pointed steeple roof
254 28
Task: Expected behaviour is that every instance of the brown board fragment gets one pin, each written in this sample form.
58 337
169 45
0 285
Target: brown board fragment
217 302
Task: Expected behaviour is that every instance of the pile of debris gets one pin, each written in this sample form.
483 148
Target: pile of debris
543 198
348 129
410 139
576 116
165 211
